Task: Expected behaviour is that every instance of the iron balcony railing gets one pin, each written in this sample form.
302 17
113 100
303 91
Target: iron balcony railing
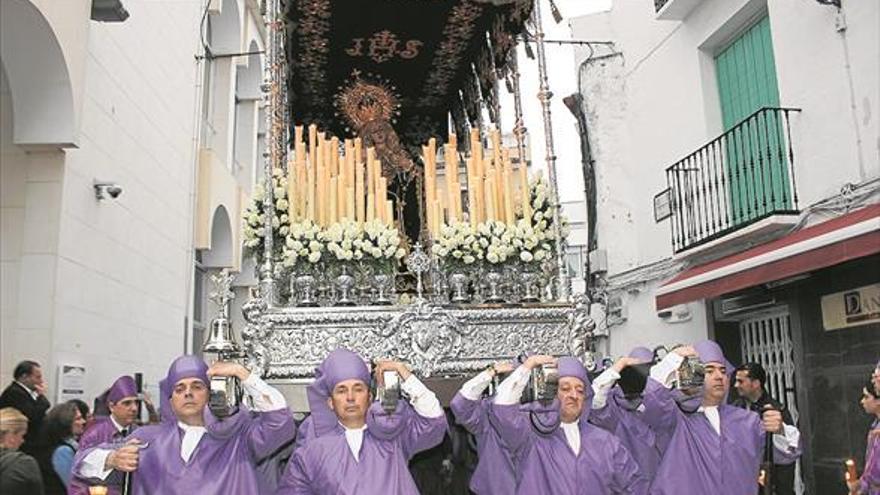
738 178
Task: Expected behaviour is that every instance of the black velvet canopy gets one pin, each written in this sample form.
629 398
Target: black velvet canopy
428 59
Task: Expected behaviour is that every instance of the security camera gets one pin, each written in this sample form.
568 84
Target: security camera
104 190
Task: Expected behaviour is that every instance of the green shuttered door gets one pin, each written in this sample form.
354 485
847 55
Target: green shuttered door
756 170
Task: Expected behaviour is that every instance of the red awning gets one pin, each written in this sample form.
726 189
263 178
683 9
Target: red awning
850 236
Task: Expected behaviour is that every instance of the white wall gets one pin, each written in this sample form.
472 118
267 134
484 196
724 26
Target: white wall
643 328
118 298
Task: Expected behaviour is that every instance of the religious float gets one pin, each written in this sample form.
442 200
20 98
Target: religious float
393 220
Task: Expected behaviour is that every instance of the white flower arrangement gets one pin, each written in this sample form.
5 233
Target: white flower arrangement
371 242
254 230
303 242
496 242
459 243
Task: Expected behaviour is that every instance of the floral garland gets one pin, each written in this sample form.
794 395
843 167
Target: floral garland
254 229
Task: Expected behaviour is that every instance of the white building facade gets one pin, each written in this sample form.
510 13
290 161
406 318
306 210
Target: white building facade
164 103
729 136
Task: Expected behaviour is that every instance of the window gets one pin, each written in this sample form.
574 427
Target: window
199 299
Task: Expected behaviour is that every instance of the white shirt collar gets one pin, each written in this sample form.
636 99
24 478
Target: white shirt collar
191 437
34 393
713 416
572 436
354 437
116 424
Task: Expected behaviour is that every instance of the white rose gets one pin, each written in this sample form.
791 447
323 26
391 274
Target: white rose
468 259
400 253
526 256
492 258
314 257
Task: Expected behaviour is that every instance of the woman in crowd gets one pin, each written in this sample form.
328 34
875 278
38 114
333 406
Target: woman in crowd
869 483
19 472
62 426
84 412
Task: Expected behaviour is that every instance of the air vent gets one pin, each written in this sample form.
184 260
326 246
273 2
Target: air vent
746 302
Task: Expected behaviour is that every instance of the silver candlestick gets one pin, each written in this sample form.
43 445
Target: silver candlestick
418 263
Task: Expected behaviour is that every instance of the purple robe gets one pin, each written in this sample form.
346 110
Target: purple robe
222 462
102 431
494 474
547 465
699 460
325 464
627 423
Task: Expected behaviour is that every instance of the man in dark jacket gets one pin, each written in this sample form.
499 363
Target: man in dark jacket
750 380
27 393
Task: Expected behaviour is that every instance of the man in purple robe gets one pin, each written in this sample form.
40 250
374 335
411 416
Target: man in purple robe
197 453
623 414
556 450
494 474
122 401
356 447
715 447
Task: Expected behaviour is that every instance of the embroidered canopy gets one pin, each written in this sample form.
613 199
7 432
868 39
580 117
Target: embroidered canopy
407 62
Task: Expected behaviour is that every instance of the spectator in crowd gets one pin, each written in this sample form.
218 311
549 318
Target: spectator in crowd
122 401
750 385
84 411
63 424
19 472
875 378
27 393
869 482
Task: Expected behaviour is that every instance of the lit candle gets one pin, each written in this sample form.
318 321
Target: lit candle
359 196
310 185
490 200
350 203
341 190
851 474
313 147
333 211
389 213
371 207
334 156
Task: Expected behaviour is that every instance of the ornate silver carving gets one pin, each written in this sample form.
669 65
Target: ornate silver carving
434 340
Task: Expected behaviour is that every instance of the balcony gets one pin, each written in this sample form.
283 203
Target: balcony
742 181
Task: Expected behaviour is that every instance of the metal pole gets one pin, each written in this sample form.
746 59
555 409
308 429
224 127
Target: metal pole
544 95
276 143
519 128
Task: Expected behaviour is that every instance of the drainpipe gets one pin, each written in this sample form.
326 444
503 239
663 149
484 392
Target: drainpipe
575 104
